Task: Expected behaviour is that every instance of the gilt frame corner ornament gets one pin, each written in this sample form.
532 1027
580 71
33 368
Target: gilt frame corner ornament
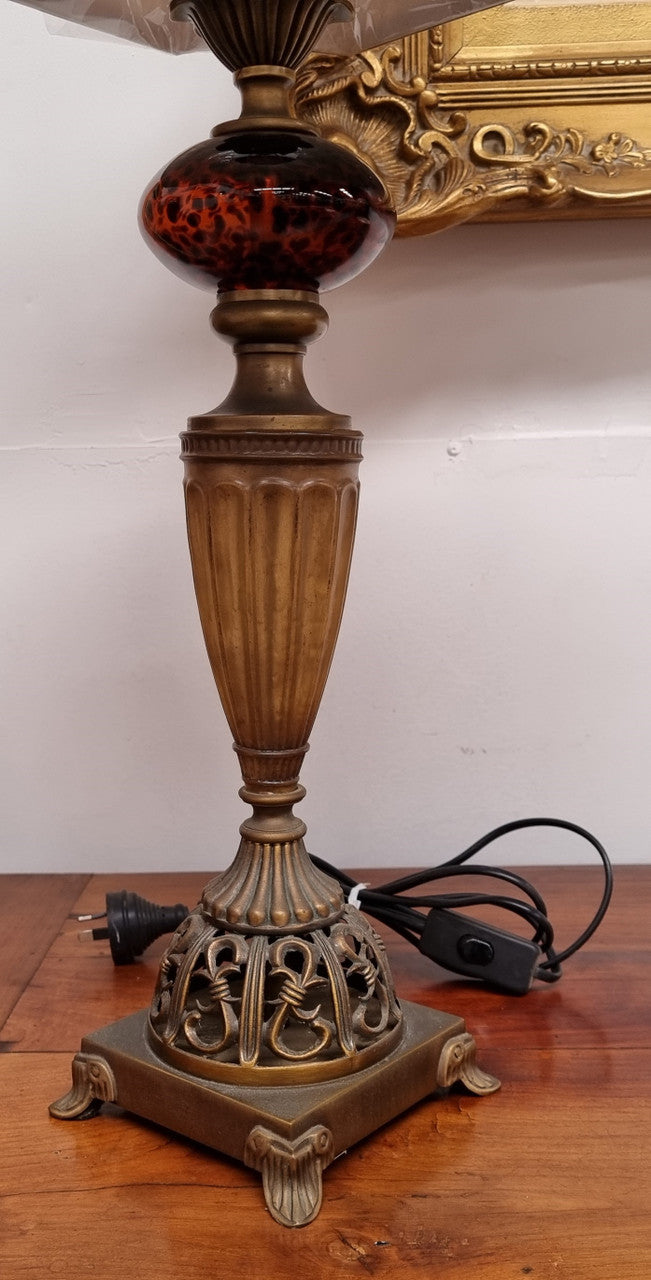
491 119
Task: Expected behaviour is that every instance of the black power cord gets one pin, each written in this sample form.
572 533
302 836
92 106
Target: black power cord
458 942
468 946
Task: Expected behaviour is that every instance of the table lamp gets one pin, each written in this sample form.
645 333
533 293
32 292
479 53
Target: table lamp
275 1035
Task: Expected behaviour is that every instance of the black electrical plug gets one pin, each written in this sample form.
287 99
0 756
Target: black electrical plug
133 923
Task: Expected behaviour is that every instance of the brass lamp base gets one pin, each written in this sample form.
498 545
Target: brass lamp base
290 1134
275 1035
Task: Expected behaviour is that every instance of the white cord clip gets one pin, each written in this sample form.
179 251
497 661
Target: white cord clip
353 896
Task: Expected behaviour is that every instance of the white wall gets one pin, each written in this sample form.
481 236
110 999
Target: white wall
494 658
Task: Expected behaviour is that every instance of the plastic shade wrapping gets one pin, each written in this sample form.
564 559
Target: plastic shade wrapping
140 21
374 22
148 21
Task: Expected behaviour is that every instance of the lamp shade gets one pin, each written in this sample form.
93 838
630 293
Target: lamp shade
370 23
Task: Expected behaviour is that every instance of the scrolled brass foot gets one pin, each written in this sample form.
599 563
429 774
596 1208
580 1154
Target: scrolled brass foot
93 1083
291 1171
458 1062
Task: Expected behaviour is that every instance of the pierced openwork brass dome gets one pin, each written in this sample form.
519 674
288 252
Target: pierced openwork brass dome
232 1006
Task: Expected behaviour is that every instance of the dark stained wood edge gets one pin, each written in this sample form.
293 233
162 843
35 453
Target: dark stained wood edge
33 908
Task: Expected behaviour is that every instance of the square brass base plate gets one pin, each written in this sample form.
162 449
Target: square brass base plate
223 1115
289 1133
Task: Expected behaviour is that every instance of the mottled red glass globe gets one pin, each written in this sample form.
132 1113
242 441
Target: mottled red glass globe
266 210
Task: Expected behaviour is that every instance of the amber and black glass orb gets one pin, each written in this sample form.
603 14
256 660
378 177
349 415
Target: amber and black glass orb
266 210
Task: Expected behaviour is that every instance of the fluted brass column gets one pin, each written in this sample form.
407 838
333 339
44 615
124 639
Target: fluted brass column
272 504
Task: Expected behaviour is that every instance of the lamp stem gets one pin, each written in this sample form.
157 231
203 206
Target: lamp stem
271 496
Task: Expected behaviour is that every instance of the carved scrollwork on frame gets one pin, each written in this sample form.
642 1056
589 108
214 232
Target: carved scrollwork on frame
456 138
318 1002
392 125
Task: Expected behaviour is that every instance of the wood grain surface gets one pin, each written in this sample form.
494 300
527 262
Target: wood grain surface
43 901
548 1178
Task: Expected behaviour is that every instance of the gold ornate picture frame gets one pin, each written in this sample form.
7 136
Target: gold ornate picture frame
532 110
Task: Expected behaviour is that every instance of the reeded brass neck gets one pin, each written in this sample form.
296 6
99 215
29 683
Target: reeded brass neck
273 887
247 33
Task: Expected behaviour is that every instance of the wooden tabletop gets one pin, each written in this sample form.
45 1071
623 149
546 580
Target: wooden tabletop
549 1178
